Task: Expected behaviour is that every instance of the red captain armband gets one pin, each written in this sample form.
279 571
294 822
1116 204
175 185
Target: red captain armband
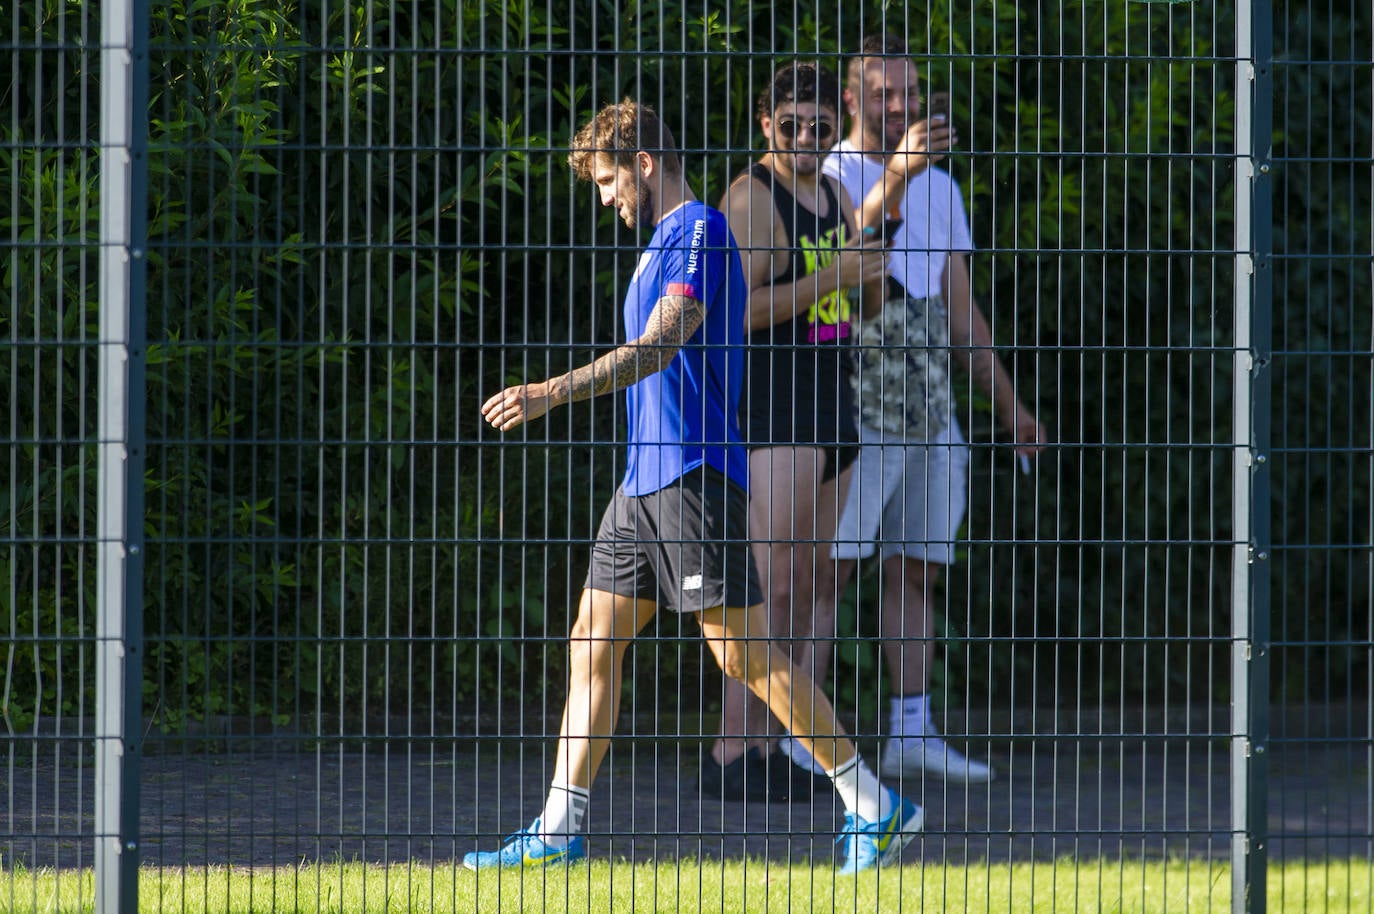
687 290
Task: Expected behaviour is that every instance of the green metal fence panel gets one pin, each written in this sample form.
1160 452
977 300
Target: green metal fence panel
1142 613
51 163
1321 610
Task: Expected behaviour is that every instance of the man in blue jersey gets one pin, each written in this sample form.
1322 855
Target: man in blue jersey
675 532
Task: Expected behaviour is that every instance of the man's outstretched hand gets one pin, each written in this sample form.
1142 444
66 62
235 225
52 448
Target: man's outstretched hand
516 405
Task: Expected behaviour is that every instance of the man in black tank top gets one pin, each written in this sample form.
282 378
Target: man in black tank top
806 274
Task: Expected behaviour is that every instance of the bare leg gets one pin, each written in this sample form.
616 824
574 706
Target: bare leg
605 626
907 622
916 748
789 693
792 518
817 653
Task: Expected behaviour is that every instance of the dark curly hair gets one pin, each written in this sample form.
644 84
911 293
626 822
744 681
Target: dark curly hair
797 83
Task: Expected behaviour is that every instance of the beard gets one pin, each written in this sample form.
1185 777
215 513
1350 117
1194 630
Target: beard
892 134
807 163
639 210
879 135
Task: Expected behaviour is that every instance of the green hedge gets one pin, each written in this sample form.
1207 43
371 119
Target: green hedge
352 245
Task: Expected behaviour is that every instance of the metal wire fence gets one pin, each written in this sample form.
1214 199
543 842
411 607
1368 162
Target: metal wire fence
277 595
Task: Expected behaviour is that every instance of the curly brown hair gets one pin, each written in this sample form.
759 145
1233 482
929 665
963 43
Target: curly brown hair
622 131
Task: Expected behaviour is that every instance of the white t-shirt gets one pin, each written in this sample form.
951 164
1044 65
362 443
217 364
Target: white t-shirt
934 220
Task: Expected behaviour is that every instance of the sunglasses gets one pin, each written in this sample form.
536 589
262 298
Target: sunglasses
821 130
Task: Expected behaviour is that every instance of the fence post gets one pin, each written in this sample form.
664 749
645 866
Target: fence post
122 431
1250 574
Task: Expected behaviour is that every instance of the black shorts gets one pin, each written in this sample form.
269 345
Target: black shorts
685 546
837 457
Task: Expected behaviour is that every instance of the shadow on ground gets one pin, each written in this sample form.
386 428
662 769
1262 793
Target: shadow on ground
279 802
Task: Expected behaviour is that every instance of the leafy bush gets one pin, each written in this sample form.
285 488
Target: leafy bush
361 224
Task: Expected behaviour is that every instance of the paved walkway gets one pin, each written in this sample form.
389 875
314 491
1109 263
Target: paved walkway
274 804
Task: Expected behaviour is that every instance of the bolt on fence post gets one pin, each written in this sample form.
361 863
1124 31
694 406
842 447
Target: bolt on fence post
1250 571
120 451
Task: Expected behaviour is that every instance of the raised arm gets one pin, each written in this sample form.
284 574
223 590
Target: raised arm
671 324
925 143
873 287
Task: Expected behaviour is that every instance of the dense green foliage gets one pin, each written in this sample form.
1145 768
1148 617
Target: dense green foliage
361 224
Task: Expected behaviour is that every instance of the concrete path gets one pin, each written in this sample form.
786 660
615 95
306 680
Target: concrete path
277 803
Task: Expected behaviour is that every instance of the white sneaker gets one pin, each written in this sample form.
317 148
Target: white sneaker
931 755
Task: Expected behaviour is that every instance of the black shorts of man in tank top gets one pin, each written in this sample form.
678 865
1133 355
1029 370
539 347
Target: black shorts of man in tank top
798 389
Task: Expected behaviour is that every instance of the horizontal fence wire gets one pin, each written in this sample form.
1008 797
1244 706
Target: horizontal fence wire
365 615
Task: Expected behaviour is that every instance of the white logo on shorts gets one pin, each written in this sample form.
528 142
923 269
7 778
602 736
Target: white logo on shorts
691 582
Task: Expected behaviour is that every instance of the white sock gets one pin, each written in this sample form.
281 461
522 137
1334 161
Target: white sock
799 756
863 794
564 812
910 717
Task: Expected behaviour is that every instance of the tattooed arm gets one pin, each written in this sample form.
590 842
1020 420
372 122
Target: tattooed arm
671 324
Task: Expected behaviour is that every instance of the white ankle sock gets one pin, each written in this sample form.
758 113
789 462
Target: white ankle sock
564 812
863 794
910 717
799 756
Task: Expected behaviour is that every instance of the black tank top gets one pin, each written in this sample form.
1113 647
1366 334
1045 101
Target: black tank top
798 389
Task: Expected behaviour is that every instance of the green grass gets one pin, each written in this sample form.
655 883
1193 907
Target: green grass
741 887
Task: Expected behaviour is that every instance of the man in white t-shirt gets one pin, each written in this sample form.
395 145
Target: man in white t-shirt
909 490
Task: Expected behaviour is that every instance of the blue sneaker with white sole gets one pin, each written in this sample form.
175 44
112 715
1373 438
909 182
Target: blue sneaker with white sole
870 844
525 850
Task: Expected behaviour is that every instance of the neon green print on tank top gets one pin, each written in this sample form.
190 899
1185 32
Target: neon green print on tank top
829 317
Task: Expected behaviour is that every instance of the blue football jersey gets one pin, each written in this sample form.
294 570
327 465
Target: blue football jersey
686 414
